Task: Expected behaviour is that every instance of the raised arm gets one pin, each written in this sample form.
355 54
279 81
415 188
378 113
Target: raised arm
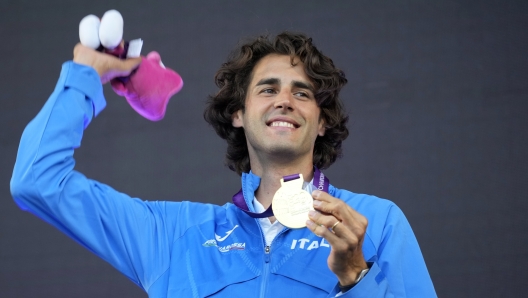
128 233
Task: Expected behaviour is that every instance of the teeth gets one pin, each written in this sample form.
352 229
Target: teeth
282 123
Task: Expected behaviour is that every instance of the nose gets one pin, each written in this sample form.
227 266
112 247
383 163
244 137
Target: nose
284 100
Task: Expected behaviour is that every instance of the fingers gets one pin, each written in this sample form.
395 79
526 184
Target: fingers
330 228
322 231
107 32
344 229
340 210
335 221
107 66
125 67
119 68
325 221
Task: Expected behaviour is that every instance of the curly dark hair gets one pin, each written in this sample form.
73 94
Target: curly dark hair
233 79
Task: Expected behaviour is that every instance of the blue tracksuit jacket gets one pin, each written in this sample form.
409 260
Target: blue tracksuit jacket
186 249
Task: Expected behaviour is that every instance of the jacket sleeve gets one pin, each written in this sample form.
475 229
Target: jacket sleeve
128 233
398 268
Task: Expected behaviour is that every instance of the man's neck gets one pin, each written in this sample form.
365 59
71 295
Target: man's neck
271 174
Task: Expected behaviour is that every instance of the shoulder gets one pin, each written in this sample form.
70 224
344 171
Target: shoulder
196 213
180 216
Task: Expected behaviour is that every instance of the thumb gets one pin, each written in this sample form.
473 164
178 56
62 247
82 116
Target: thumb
119 68
128 65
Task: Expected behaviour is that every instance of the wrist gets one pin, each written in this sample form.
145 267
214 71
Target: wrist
349 277
347 284
88 57
88 64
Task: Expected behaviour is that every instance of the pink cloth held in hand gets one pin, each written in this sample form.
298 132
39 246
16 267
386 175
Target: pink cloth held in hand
150 87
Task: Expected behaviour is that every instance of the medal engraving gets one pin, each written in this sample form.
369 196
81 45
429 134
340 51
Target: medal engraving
291 204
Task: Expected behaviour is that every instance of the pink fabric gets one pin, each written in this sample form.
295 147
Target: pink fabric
150 87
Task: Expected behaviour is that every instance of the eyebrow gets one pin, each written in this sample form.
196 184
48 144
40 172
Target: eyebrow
303 85
275 81
268 81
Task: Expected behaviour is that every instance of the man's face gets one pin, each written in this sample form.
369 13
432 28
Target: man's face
281 118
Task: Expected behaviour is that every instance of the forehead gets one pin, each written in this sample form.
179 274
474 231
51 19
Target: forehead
280 67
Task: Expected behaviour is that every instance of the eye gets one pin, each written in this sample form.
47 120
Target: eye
268 91
302 94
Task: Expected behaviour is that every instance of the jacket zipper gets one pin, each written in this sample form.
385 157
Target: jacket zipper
265 272
267 260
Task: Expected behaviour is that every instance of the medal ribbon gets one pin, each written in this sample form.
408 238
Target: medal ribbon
320 181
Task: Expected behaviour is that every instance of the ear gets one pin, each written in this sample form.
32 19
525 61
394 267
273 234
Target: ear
322 128
237 120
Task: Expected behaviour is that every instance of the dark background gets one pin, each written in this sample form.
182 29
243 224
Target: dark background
437 97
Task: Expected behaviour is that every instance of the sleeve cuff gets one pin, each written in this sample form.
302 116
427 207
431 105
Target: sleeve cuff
374 284
86 80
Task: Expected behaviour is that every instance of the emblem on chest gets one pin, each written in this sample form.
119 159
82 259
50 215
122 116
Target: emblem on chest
308 244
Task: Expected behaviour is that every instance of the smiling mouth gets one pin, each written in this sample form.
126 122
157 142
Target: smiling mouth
282 124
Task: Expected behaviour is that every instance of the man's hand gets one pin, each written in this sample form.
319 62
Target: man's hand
107 66
344 229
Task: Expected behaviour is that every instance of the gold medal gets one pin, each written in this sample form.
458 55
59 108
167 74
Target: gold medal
292 203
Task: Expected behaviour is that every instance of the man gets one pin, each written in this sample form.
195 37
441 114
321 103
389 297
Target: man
278 109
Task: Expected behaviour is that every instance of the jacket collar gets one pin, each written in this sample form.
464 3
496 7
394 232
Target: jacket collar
250 183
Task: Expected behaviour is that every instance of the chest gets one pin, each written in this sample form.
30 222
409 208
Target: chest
217 259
